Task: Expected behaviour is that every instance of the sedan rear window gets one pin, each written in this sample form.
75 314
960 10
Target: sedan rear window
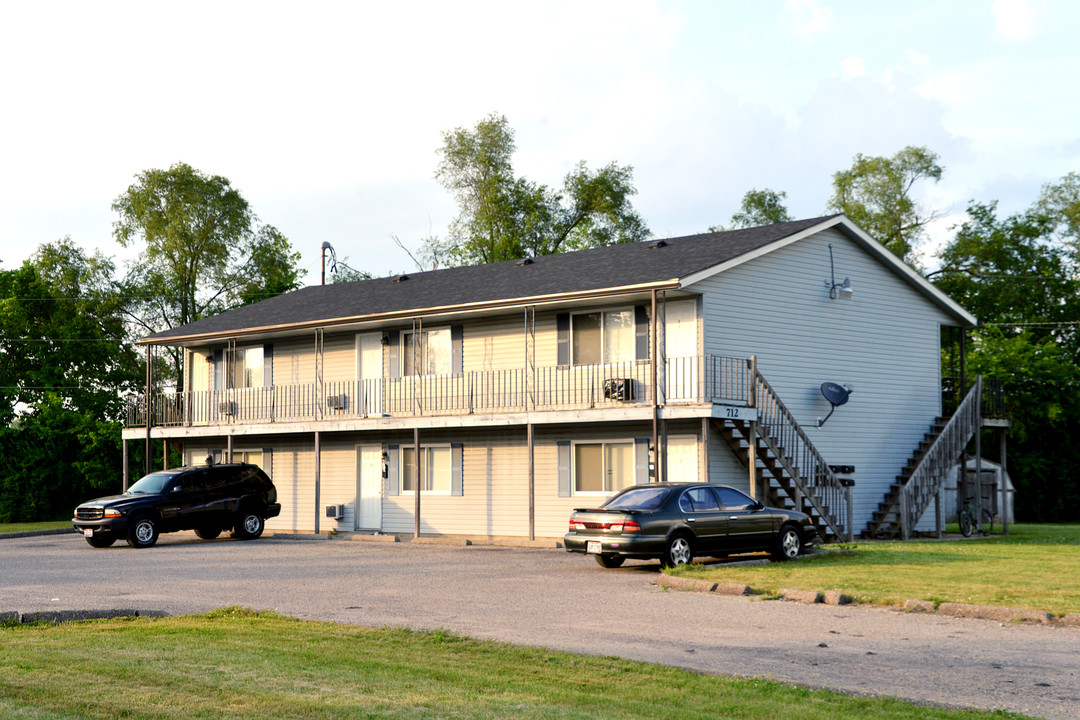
638 499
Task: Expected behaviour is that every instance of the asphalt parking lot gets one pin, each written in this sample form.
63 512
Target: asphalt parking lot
555 599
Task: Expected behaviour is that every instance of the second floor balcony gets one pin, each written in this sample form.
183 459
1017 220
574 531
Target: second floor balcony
702 379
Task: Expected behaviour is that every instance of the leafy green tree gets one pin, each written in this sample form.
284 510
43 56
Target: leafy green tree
1017 276
875 192
52 458
62 333
1060 203
502 217
759 207
200 254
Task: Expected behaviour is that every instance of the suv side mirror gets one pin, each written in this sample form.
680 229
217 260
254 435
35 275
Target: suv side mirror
176 488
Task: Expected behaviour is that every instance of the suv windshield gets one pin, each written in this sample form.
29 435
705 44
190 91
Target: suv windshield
638 499
152 483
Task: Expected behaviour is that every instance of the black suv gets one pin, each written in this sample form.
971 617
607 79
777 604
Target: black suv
207 499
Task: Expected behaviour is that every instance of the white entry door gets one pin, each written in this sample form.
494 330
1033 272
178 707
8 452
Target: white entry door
681 350
369 487
369 369
682 459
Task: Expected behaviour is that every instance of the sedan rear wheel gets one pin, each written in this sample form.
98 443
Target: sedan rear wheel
788 544
679 551
610 561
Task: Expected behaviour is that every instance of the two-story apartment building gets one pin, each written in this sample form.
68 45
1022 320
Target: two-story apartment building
492 400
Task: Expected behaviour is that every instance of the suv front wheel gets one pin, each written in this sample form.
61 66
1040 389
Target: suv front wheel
142 532
249 524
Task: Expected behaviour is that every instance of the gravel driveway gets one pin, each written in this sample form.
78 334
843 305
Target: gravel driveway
558 600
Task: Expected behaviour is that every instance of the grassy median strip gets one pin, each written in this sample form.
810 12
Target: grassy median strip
1034 567
6 528
237 664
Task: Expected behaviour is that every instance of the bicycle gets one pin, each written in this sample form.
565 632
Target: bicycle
969 521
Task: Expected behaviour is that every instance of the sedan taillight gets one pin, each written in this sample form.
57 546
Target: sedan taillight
576 525
630 526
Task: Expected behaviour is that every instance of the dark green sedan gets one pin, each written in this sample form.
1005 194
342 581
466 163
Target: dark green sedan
674 522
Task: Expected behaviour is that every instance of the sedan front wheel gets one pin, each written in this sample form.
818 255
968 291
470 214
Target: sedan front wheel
788 544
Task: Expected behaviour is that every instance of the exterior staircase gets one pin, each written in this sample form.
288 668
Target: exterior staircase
924 475
790 471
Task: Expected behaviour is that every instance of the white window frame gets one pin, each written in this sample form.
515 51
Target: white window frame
424 333
603 336
604 473
403 475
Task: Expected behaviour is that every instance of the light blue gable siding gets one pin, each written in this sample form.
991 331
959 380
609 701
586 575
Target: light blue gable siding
885 341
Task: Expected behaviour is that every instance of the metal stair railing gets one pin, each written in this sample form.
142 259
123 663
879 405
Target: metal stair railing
813 477
928 477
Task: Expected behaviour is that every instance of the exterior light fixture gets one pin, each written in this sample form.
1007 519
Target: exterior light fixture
842 290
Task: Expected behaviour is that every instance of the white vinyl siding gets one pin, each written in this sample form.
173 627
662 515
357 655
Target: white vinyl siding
495 492
339 358
294 478
884 341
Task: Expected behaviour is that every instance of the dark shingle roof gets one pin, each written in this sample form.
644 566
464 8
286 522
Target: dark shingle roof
582 271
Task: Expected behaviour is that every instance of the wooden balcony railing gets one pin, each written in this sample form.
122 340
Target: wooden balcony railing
565 387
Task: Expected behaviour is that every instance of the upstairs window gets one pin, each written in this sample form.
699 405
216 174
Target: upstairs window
602 337
433 356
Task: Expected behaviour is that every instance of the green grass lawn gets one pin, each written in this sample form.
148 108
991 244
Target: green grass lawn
237 664
30 527
1035 566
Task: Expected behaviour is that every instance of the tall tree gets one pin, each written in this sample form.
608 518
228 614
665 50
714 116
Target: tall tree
876 192
1060 203
200 254
759 207
1018 277
63 335
502 217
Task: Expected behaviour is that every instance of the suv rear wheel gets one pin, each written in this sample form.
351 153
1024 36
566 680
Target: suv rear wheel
249 523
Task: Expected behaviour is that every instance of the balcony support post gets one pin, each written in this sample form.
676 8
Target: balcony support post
318 474
655 395
124 451
416 478
532 482
149 405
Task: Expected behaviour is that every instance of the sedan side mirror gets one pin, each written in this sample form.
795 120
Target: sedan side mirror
759 506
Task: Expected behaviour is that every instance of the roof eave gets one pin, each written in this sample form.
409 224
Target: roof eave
875 248
670 284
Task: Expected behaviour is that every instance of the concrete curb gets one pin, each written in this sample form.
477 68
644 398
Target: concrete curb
988 612
694 585
809 597
375 538
62 616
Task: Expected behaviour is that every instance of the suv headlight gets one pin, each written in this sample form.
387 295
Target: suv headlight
111 513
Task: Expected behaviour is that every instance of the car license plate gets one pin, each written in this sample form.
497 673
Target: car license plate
88 532
593 546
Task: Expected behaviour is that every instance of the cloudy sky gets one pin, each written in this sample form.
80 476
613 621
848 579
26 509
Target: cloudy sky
327 115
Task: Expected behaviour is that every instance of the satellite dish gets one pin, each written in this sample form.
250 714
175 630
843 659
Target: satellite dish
837 395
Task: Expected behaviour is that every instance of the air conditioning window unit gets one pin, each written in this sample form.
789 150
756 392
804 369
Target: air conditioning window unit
621 389
335 402
335 512
225 407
